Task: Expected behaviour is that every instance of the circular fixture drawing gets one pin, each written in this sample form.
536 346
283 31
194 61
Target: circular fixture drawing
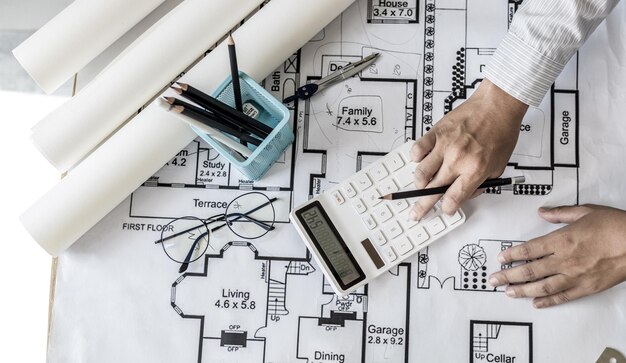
472 257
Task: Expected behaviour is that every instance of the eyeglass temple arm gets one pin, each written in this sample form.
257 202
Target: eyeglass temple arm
185 264
261 224
242 215
255 209
177 234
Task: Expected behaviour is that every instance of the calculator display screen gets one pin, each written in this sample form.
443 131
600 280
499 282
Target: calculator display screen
331 246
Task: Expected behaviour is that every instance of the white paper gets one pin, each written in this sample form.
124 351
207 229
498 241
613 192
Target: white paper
73 38
73 130
118 297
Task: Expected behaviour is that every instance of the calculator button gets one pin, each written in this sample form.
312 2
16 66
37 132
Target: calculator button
394 162
383 214
379 238
358 206
363 182
369 222
405 175
430 215
338 197
389 254
392 230
418 235
435 226
403 245
405 151
399 205
379 172
349 190
371 197
388 186
405 220
450 220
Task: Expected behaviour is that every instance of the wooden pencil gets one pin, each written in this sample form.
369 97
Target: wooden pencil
236 124
441 190
213 104
210 121
215 134
234 71
178 102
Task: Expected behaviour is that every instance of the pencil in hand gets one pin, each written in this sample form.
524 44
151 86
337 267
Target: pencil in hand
441 190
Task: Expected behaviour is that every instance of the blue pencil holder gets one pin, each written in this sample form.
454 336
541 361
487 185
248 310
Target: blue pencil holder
270 112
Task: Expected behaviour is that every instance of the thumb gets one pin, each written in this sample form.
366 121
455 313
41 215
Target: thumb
564 214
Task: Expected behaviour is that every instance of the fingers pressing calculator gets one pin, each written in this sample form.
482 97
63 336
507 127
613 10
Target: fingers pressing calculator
354 236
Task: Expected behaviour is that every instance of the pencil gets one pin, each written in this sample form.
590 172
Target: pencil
210 121
217 106
234 71
178 102
215 134
441 190
237 124
232 123
173 101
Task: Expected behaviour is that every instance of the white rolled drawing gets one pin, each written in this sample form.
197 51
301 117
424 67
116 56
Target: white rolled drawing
74 37
140 148
73 130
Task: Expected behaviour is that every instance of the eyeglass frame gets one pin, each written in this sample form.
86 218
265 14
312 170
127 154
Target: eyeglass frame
216 218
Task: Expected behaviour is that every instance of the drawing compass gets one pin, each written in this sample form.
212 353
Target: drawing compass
349 70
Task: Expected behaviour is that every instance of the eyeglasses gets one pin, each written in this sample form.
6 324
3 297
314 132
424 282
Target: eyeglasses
186 239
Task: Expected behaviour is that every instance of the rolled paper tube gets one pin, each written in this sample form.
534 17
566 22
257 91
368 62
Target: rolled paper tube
148 141
74 37
72 131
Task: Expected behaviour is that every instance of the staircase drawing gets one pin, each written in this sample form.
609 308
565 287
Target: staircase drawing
480 340
277 285
299 268
276 298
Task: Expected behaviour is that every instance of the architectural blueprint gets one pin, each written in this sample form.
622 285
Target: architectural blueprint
119 298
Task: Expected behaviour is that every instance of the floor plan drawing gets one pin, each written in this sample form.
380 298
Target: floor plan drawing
238 318
262 298
475 263
498 341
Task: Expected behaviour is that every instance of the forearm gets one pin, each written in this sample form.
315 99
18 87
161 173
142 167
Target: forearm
543 36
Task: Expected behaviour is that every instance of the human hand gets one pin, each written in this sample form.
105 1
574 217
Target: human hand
585 257
467 146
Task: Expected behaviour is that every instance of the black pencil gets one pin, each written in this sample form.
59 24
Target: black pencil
234 71
217 125
237 122
233 123
220 107
211 122
178 102
441 190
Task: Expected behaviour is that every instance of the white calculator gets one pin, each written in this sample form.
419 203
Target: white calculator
354 236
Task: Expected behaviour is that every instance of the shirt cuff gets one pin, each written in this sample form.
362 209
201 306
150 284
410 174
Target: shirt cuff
522 71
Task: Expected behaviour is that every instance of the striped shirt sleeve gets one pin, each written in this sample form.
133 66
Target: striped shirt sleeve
543 36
